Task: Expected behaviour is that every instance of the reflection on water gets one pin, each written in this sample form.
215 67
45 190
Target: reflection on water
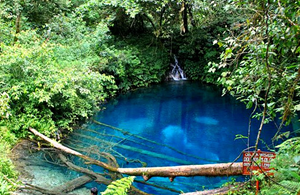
174 123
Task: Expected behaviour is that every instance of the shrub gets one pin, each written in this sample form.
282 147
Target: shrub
47 86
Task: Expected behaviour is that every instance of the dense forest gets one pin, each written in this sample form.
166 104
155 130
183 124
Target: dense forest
60 60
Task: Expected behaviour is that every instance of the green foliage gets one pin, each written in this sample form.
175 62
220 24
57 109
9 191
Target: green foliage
48 86
165 20
5 26
287 166
6 166
197 52
260 66
132 65
246 189
119 187
36 12
54 77
262 56
286 172
6 136
4 105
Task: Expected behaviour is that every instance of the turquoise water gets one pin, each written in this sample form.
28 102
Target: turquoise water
190 123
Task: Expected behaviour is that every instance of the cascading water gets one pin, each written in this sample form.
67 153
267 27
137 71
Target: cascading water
177 73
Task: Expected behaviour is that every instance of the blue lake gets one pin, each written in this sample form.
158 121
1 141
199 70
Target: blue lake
172 124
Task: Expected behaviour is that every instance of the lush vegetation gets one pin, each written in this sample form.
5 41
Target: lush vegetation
61 59
261 62
8 175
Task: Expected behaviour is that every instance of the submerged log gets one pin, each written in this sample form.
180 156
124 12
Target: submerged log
32 189
95 176
89 174
138 150
154 142
73 184
218 191
223 169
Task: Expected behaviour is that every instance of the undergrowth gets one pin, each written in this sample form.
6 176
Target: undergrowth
7 173
286 180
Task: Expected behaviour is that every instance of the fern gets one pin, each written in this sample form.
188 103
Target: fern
293 185
287 166
119 187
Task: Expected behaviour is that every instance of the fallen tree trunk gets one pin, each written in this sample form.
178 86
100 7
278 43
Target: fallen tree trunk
73 152
223 169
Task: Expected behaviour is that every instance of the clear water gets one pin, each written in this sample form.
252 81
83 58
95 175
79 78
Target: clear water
190 122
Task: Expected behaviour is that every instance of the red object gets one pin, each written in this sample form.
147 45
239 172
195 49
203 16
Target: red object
262 160
257 187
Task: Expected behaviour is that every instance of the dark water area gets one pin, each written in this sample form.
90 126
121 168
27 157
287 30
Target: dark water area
173 123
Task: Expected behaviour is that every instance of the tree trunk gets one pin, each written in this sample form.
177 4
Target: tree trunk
184 15
18 26
57 145
222 169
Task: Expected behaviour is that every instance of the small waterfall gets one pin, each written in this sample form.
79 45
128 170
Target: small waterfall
177 73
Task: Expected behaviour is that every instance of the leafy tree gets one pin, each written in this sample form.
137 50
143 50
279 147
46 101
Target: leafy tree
133 66
263 58
37 12
260 66
48 86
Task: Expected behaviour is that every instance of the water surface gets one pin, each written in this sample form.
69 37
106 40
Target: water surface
172 124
